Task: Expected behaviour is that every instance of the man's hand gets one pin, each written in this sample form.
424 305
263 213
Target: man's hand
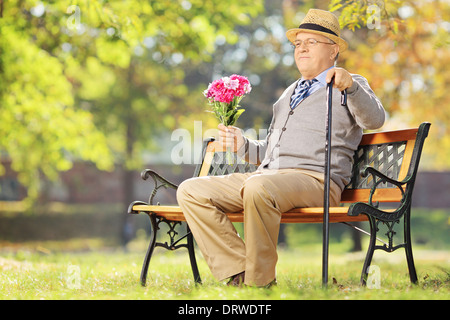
342 78
231 137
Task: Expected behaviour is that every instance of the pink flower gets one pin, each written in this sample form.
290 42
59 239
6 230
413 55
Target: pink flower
222 89
229 83
244 84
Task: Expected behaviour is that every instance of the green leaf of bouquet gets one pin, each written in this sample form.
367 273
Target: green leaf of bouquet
236 116
230 113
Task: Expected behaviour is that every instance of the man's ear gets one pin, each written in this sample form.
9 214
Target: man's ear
334 52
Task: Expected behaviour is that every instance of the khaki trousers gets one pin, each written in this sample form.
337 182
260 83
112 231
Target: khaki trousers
263 196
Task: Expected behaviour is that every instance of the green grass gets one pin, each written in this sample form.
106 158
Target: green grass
34 272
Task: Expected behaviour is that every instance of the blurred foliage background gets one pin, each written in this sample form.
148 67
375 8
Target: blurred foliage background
108 81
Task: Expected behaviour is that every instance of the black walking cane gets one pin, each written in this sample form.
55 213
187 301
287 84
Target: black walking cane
326 200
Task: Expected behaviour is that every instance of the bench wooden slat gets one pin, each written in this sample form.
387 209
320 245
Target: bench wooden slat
407 156
389 136
380 195
296 215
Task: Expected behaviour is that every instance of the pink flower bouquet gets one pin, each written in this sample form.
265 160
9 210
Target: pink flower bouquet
224 96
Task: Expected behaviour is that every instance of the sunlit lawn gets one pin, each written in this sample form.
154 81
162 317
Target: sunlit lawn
30 273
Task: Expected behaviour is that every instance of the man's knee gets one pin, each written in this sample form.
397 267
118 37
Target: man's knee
185 189
256 186
196 188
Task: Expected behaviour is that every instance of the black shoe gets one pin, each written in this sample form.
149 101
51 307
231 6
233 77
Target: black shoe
237 280
271 284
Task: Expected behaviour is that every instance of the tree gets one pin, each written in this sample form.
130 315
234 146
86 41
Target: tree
108 79
41 129
403 49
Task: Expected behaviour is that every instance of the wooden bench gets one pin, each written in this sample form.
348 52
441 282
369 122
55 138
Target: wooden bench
384 170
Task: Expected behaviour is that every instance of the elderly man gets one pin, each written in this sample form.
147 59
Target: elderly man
291 171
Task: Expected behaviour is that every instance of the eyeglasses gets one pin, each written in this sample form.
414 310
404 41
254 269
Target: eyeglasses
310 42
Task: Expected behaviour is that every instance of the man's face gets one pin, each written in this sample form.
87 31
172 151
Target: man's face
313 59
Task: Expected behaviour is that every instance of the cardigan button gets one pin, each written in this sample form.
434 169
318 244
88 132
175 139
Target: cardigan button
284 129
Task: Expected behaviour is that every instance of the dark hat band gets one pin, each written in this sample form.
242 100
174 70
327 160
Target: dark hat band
316 27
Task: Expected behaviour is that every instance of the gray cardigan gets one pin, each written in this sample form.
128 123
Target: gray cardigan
296 138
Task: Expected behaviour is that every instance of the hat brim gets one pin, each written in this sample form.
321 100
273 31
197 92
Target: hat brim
292 35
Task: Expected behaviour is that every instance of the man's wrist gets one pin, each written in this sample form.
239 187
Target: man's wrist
353 88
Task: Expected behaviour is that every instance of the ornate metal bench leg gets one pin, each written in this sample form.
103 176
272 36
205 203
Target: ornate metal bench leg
370 250
190 247
150 249
408 248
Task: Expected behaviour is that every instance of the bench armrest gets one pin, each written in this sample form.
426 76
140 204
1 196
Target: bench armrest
159 182
371 208
383 178
378 178
146 173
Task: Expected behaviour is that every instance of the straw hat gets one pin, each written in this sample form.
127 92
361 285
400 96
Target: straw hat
320 22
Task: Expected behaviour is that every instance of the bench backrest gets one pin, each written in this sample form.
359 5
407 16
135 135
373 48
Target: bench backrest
396 154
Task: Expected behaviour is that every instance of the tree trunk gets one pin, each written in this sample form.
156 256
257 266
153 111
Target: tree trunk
356 237
128 226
